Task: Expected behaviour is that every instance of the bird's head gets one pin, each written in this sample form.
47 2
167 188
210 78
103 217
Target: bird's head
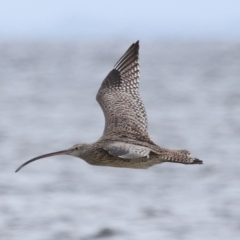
76 150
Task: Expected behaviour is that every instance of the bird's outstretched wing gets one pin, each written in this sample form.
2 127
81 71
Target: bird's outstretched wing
118 96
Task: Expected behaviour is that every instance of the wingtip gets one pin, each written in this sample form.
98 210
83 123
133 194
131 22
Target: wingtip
136 44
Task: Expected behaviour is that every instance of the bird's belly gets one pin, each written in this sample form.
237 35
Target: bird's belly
138 163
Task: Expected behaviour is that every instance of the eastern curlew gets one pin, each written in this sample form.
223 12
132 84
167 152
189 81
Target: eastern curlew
125 141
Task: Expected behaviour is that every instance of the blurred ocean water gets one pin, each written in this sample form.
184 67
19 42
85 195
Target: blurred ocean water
191 91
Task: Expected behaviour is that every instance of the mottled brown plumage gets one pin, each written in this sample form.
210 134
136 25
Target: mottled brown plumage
125 141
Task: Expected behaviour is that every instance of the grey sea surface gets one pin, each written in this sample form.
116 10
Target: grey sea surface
191 91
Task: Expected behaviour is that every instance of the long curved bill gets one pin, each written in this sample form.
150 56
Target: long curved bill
64 152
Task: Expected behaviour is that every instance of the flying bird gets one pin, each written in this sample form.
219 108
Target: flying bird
125 141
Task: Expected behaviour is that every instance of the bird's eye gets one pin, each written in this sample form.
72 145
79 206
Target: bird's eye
76 148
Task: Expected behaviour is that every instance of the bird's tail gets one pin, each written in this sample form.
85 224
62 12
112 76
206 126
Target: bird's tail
180 156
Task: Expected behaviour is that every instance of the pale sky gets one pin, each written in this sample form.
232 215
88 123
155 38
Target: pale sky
109 19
